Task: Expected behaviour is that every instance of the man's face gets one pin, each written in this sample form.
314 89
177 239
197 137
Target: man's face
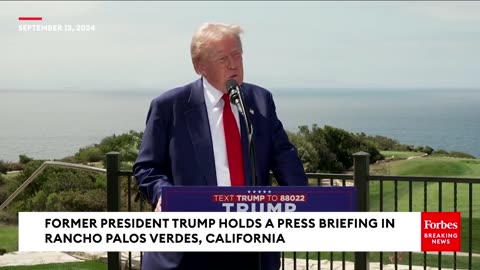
223 61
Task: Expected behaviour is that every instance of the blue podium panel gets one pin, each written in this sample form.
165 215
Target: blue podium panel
258 199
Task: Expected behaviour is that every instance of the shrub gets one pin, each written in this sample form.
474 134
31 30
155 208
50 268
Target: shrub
381 142
15 166
3 167
29 169
91 200
327 161
461 155
3 196
24 159
69 159
54 180
126 144
441 152
8 217
344 144
428 150
60 189
306 151
331 149
89 154
54 203
39 201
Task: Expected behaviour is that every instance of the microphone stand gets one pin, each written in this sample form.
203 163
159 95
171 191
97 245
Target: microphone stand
251 151
251 146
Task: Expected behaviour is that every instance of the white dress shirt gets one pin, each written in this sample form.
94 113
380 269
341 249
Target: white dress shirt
214 104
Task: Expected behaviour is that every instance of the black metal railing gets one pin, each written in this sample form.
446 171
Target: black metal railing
374 193
427 202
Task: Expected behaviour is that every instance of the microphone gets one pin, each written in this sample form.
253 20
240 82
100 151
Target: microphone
234 93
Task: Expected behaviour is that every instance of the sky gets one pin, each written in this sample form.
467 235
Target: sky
286 44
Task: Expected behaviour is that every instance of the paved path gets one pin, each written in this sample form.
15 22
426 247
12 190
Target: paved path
32 258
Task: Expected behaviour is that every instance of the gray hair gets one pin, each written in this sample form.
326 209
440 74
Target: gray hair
209 32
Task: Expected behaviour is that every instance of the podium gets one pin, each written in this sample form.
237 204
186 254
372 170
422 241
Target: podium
258 199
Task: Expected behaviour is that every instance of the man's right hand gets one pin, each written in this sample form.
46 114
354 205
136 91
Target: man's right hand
158 208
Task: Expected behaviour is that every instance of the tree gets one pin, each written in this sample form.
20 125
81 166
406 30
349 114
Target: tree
306 151
54 203
89 154
24 159
3 167
332 149
39 201
327 160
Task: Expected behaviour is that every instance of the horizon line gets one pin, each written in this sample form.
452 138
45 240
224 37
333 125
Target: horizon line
267 87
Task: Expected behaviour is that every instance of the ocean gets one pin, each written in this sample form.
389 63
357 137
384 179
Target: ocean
47 124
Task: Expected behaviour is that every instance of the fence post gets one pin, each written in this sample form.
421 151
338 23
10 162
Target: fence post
113 200
361 174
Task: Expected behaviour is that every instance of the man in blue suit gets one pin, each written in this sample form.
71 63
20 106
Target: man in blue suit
186 143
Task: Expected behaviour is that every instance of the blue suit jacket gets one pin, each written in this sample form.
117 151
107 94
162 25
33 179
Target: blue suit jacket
177 150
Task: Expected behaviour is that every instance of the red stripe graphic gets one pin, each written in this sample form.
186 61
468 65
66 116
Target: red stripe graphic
30 18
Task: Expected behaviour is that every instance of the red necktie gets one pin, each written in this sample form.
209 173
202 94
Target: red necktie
234 144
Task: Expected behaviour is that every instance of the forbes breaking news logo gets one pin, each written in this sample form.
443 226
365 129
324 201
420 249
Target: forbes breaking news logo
441 231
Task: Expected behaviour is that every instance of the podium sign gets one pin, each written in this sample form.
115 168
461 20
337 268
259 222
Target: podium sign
258 199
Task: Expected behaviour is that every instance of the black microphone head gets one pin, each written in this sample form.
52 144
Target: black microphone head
231 84
233 91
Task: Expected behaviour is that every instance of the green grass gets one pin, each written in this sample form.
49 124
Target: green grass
418 197
432 203
443 166
429 167
11 175
87 265
400 154
9 238
454 167
417 258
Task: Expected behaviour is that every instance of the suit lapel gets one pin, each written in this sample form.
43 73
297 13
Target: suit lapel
199 131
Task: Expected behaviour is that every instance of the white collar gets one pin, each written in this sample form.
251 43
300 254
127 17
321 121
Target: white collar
212 94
